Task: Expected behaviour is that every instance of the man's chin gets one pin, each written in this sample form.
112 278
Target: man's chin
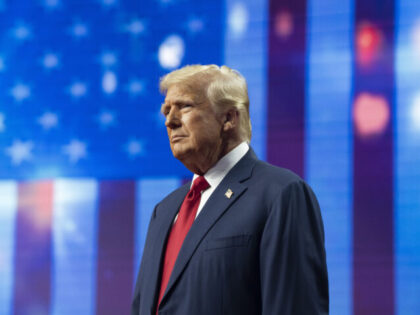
180 153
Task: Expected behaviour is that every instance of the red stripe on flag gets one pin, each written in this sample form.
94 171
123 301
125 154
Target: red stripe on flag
115 247
33 248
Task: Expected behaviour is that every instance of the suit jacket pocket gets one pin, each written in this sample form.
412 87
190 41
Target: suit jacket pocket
227 242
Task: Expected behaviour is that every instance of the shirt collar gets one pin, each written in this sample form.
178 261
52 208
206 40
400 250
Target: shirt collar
216 174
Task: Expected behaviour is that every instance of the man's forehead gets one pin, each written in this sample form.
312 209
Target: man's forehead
179 93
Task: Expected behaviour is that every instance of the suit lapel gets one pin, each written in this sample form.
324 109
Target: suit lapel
217 204
167 212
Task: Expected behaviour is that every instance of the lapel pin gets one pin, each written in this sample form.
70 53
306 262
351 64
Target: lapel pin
228 193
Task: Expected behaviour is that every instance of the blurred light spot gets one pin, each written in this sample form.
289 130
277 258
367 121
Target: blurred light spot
415 113
371 114
369 41
109 82
416 38
1 64
171 52
284 24
238 19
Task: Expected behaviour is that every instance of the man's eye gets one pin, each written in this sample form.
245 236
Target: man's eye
186 105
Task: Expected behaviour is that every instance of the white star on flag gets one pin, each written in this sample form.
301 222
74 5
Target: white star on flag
136 27
106 118
135 87
21 32
48 120
78 75
134 148
79 30
76 150
78 89
195 25
20 151
50 61
20 92
108 59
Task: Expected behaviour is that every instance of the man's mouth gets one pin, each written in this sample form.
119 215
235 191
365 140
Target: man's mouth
176 138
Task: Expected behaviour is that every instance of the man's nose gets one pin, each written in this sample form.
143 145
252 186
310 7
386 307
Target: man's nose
172 119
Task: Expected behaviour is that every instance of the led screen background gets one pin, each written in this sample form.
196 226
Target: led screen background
84 158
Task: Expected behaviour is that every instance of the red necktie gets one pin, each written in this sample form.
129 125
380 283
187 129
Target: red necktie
180 228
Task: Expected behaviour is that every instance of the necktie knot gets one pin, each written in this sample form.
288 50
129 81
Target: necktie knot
200 184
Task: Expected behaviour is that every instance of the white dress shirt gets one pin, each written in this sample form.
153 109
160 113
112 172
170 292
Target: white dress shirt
215 175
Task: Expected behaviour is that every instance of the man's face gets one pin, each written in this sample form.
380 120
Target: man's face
194 129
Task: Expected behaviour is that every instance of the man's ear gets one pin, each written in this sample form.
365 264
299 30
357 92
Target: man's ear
231 120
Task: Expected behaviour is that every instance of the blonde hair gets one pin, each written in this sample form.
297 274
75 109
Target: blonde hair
222 86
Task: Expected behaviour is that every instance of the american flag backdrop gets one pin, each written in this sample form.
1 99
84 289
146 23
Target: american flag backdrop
84 158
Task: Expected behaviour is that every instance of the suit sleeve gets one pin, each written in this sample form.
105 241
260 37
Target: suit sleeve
293 268
135 304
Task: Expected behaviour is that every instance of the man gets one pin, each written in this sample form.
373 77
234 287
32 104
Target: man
244 237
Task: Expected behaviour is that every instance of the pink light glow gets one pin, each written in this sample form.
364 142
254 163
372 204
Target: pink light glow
284 24
371 114
35 204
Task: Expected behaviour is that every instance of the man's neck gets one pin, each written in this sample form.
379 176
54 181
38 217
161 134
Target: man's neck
206 164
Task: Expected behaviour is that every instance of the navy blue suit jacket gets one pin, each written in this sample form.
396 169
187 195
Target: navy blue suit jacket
261 251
